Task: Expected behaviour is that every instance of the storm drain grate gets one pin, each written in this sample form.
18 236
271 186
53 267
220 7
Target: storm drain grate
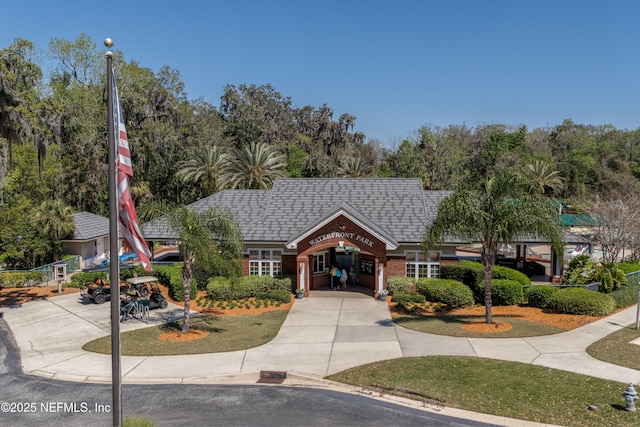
272 377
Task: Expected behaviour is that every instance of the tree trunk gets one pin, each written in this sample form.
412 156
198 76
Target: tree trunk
187 275
488 260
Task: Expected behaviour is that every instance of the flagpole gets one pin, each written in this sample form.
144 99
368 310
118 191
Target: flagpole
114 271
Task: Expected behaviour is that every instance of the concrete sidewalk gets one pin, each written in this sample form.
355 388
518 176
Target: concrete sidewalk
323 334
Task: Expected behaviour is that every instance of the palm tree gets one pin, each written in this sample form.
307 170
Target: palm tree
540 178
354 167
494 215
206 166
256 166
205 240
56 221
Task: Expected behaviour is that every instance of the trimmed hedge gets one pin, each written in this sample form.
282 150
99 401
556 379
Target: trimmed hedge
450 292
222 288
272 283
408 298
138 271
276 295
467 274
79 280
506 292
21 279
538 296
628 267
582 301
171 277
501 272
626 296
401 284
470 275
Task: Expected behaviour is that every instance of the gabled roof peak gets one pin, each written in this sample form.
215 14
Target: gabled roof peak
345 209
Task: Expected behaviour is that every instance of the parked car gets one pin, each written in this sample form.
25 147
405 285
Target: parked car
123 258
99 291
146 290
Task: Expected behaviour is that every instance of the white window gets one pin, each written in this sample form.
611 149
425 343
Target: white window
420 264
265 262
318 263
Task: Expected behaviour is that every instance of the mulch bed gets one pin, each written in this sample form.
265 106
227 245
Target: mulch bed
532 314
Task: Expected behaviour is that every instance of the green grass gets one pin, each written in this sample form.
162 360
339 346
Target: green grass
508 389
226 333
450 325
616 348
138 421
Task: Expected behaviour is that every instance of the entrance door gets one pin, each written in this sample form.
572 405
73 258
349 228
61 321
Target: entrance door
346 259
99 247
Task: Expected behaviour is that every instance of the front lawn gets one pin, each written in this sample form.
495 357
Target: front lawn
509 389
223 333
617 348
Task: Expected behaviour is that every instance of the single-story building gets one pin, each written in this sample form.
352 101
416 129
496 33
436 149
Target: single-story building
90 240
371 227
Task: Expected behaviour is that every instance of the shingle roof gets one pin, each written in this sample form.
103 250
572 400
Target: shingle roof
88 226
398 206
247 207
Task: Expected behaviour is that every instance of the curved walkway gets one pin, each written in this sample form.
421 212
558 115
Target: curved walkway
323 334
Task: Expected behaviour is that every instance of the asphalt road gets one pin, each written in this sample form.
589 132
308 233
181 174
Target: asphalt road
32 401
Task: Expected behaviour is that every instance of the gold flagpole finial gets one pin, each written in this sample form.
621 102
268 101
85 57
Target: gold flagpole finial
108 43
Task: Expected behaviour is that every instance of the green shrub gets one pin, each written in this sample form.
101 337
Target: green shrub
222 288
408 298
506 292
610 277
506 273
276 295
471 273
580 271
628 267
272 283
171 277
626 296
450 292
538 296
138 271
501 272
582 301
81 279
468 273
401 284
21 279
583 270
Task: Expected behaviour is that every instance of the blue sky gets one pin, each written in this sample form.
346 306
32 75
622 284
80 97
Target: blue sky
396 65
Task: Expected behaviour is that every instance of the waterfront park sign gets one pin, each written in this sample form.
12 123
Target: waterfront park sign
342 235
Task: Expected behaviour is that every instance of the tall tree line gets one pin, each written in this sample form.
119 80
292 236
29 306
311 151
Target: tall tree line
53 144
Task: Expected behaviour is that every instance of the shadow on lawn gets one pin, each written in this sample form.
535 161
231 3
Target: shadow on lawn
199 324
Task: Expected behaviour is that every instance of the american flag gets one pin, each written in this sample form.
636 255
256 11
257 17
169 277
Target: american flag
132 235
